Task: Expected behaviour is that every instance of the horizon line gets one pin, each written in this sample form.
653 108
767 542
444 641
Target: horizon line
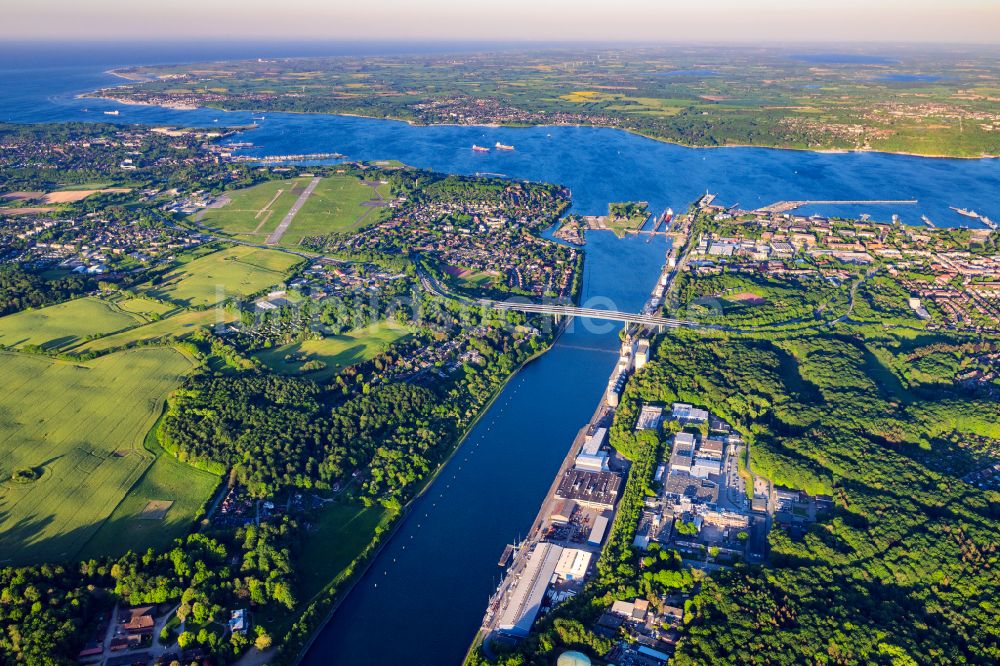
444 41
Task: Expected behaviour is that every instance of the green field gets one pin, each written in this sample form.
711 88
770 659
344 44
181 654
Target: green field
477 279
81 427
166 479
179 325
63 325
144 306
237 271
340 533
255 211
336 205
337 352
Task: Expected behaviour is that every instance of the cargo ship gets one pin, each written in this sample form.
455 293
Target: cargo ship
501 146
479 149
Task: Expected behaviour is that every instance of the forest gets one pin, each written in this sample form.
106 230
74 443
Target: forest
904 569
48 611
21 288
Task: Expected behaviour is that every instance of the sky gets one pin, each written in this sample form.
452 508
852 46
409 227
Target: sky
744 21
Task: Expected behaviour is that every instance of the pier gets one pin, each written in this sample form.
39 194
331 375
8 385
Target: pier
277 159
785 206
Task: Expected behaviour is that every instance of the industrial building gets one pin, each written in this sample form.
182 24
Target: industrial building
591 458
688 414
726 519
641 354
682 454
712 448
615 386
526 596
563 511
650 418
703 468
593 489
573 564
597 533
684 488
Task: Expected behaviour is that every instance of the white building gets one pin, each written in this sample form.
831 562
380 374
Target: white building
703 467
649 418
641 354
591 458
573 564
597 534
688 414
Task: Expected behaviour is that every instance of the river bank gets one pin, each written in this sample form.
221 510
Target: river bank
386 538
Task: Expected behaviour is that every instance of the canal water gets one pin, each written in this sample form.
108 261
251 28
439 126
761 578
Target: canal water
423 598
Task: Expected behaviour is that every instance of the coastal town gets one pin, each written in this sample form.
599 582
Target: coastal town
479 237
265 398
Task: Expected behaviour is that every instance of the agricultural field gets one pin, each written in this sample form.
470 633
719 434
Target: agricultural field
177 326
322 359
339 203
168 487
61 326
930 101
74 433
237 271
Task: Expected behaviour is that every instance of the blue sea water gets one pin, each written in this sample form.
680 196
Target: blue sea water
422 599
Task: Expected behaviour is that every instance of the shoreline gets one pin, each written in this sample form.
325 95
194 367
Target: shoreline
414 123
390 534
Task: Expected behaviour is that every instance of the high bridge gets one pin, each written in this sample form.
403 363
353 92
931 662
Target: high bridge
591 313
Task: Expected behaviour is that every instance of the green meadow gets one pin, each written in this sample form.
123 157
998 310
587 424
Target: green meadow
167 480
335 352
254 212
64 325
177 326
236 271
79 428
338 204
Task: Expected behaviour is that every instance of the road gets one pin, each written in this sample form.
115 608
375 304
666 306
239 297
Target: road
292 212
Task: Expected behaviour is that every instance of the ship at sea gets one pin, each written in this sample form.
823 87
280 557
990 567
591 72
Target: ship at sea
501 146
966 212
976 216
479 149
927 221
112 113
